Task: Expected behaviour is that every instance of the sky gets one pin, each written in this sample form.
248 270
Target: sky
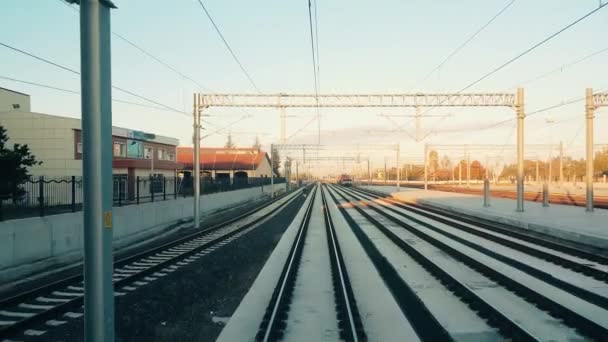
385 46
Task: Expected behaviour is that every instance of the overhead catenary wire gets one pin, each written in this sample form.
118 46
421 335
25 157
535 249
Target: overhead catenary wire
219 32
78 73
468 40
74 91
522 54
532 48
314 67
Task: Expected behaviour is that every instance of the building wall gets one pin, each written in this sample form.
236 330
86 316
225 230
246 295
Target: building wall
50 138
9 98
54 141
263 169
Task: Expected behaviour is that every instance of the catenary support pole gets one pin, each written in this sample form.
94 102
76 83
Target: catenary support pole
398 171
561 163
272 170
486 192
283 117
426 166
196 154
96 87
519 108
589 113
369 173
545 194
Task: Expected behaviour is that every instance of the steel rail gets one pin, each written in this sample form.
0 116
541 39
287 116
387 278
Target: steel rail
21 324
423 322
577 291
343 291
271 326
573 319
501 228
508 327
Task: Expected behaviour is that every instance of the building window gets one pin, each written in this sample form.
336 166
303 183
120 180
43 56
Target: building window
171 157
120 150
79 148
148 153
162 154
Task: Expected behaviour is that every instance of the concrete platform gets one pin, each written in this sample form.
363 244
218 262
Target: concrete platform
563 222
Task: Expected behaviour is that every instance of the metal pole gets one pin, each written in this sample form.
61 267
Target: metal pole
545 195
468 169
561 163
519 108
369 173
385 172
589 113
460 172
426 153
536 170
550 169
96 83
196 172
398 171
283 133
486 192
271 171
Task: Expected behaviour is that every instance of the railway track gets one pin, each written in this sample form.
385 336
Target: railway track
276 319
530 292
52 304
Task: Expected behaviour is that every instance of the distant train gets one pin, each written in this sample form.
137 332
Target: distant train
345 180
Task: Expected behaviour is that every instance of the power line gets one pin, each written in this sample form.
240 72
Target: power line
145 52
159 60
73 91
217 29
565 66
40 58
78 73
314 69
533 47
468 40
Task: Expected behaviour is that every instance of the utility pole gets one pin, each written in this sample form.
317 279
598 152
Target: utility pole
536 180
271 171
561 163
369 172
426 171
96 107
196 163
385 173
519 108
468 169
398 170
589 114
283 117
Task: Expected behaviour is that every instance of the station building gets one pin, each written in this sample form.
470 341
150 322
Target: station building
227 165
57 142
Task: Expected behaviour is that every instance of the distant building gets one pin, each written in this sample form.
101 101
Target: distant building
228 165
13 100
57 142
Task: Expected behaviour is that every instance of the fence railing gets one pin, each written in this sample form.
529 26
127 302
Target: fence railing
48 196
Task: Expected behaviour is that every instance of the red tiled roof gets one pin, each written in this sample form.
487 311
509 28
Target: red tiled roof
222 158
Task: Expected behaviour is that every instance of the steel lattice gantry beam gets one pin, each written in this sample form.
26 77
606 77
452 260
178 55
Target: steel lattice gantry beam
282 101
358 100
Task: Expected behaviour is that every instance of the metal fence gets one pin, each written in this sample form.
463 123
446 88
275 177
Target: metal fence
48 196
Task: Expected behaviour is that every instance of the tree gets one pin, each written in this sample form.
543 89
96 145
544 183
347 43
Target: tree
229 142
13 167
276 162
256 144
